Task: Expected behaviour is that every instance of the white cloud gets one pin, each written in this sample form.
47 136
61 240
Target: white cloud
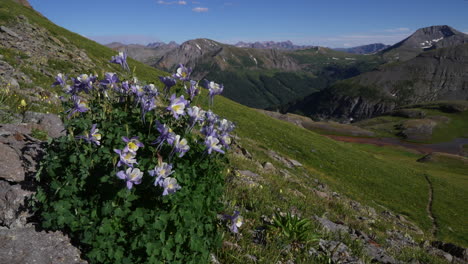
161 2
395 30
200 9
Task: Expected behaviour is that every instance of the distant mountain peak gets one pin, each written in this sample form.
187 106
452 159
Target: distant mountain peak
281 45
427 38
158 44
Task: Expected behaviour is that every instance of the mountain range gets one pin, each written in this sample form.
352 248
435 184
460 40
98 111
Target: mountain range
282 45
321 82
429 65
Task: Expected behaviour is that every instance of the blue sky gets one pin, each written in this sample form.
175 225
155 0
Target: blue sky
332 23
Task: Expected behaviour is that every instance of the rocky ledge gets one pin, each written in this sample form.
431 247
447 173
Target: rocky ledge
20 240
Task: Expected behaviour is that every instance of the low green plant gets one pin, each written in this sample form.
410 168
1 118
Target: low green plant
39 134
138 178
293 228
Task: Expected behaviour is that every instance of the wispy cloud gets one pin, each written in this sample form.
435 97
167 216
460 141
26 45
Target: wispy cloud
395 30
200 9
161 2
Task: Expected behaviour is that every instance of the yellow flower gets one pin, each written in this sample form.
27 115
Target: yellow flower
23 103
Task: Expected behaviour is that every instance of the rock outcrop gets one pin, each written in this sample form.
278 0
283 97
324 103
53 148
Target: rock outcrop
21 153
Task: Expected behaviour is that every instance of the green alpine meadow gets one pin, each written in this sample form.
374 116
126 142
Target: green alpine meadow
126 148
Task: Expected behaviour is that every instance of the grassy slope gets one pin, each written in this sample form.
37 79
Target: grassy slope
372 178
376 178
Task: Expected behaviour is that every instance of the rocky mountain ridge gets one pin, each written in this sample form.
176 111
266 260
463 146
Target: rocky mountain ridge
437 70
365 49
281 45
264 77
424 39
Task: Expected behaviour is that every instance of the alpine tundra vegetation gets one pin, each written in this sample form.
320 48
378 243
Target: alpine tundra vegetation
105 159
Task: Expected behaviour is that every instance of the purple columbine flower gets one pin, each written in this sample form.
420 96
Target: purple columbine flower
225 126
177 106
60 79
148 103
84 83
168 82
79 105
214 89
133 144
131 175
212 143
210 117
183 73
165 134
162 171
236 221
180 146
121 59
125 88
93 136
138 90
193 90
170 185
208 129
126 158
151 90
196 114
225 139
111 80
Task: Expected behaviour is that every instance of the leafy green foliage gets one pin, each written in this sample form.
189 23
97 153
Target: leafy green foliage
80 193
293 228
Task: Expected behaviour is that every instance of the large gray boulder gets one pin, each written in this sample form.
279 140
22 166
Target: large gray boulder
50 123
27 246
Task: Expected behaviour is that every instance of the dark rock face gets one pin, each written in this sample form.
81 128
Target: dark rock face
452 249
25 245
333 103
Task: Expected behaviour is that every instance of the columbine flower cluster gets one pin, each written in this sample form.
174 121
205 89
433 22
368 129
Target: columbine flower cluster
127 157
167 110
